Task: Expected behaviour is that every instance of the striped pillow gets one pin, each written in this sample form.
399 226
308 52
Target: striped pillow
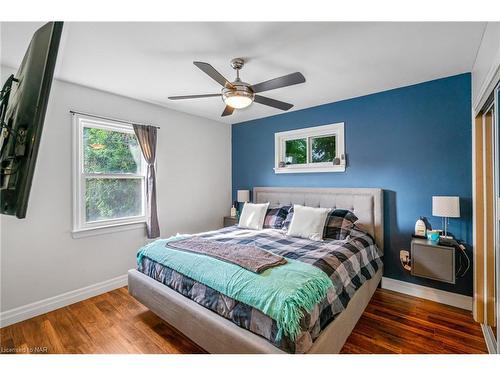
339 224
288 219
275 217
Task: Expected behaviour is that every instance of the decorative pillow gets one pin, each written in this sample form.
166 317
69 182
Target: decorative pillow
275 217
308 222
252 216
339 224
288 219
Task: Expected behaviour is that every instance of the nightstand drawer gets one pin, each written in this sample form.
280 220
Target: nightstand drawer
432 261
229 221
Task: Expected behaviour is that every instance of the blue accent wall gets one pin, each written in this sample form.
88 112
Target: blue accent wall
414 142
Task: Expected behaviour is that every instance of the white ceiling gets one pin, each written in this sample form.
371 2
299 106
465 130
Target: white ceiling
151 61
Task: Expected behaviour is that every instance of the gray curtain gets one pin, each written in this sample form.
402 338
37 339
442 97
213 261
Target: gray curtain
146 135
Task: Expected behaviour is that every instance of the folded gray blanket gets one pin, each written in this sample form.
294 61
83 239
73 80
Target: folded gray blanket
250 257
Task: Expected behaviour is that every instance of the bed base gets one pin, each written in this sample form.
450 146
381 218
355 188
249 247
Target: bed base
216 334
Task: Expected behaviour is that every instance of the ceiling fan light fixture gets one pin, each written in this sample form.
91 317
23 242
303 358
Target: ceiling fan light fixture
238 101
239 94
239 97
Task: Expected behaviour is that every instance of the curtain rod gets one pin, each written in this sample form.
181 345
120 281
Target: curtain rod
109 118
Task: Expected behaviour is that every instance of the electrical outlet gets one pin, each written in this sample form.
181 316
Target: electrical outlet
404 257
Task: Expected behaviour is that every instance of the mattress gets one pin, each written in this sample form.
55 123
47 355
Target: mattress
348 263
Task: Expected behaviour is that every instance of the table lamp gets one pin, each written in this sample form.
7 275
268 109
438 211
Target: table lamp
445 207
243 196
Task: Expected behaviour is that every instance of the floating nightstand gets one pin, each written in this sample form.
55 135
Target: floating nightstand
432 261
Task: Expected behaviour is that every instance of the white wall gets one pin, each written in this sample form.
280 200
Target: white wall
487 63
39 257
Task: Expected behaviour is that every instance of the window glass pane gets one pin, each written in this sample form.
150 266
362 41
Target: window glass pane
108 198
323 149
107 151
296 151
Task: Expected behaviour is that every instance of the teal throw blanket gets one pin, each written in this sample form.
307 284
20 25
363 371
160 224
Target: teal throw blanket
281 292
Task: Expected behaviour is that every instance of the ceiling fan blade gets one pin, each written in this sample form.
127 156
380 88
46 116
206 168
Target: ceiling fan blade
276 83
193 96
227 111
214 74
272 102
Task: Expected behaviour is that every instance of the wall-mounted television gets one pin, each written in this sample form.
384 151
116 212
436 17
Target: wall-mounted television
23 103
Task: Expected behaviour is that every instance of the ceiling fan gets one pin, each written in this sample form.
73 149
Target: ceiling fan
239 94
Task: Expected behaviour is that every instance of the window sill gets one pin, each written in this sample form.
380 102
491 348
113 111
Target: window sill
337 168
106 229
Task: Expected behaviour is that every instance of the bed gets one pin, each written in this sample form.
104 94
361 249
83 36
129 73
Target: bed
218 334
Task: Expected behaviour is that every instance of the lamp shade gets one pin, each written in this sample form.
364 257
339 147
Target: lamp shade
446 206
243 196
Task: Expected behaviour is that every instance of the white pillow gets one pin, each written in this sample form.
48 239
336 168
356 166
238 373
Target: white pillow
308 222
253 215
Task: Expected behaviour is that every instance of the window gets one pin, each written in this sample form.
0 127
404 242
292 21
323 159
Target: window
296 151
317 149
109 176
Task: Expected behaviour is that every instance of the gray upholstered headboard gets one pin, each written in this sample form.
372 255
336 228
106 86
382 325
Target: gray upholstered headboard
366 203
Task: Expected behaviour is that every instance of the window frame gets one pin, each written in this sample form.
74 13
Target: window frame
80 224
336 129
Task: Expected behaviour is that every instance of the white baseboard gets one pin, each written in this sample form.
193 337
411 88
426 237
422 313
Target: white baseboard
436 295
31 310
489 338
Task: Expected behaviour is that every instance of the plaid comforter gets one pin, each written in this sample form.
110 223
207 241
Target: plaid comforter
348 263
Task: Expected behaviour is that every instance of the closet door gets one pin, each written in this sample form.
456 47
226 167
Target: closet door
491 226
479 222
487 220
479 216
496 255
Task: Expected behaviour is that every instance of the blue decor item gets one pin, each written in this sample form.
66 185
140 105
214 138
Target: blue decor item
433 235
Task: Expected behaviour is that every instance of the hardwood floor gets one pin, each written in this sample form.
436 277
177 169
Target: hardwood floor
115 322
398 323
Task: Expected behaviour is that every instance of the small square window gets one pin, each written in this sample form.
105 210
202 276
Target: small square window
112 198
323 149
296 151
110 151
